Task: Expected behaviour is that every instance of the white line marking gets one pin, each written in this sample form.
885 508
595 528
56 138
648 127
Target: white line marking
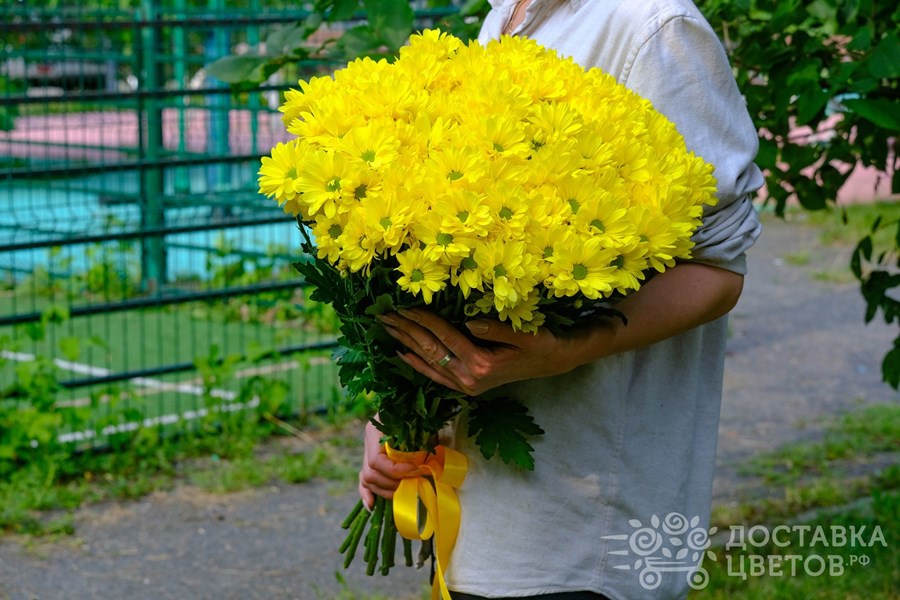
155 384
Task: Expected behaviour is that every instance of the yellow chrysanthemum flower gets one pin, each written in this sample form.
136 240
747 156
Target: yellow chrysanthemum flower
464 212
419 275
582 266
280 171
374 144
467 276
320 182
509 269
441 239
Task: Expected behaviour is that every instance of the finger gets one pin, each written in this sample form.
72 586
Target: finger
371 492
421 342
377 482
497 331
367 497
452 338
416 362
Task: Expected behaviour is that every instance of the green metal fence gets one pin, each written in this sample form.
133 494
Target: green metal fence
138 265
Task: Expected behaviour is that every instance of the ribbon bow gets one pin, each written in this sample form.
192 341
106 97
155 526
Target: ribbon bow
433 485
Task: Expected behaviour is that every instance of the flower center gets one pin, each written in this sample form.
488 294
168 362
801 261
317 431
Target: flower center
416 276
291 173
335 230
368 156
506 213
498 147
334 185
619 262
599 225
573 203
499 271
454 175
468 264
360 192
463 216
548 251
385 222
579 272
444 239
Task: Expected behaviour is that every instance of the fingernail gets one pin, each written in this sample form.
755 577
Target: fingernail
411 315
402 357
387 320
477 326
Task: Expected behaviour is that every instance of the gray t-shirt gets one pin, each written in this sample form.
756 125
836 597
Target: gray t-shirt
630 440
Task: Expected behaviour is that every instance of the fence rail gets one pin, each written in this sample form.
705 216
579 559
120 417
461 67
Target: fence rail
134 247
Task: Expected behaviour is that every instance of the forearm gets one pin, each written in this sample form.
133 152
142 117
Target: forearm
673 302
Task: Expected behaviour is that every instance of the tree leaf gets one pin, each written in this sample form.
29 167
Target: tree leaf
392 20
811 104
358 41
343 10
880 111
239 69
884 61
286 39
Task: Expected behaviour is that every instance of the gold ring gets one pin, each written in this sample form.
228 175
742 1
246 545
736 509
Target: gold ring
443 362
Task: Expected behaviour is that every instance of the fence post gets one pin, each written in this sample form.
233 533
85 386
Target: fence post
218 176
179 43
150 120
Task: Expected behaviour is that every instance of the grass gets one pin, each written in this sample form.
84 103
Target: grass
848 478
847 224
857 454
40 498
878 578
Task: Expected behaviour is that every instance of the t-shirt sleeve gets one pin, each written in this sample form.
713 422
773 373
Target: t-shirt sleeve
681 67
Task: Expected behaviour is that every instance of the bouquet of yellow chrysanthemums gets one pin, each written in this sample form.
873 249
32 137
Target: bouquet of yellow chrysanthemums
500 181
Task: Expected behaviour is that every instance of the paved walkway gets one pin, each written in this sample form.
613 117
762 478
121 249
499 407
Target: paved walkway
798 352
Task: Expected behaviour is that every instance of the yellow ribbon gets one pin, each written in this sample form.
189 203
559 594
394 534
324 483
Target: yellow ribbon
433 486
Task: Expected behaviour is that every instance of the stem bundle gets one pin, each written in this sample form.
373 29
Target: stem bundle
380 540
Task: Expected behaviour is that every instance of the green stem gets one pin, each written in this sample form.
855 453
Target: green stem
352 516
407 552
388 538
356 532
374 536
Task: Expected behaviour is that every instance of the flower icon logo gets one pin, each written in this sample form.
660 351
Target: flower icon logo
673 544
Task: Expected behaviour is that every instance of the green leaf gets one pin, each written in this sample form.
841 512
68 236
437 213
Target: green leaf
239 69
358 41
882 112
70 347
822 10
343 10
810 104
286 39
884 61
503 426
383 304
392 20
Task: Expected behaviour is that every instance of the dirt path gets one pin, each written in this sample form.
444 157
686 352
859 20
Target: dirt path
798 352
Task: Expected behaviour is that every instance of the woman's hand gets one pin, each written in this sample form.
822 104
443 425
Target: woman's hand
670 303
379 474
446 355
